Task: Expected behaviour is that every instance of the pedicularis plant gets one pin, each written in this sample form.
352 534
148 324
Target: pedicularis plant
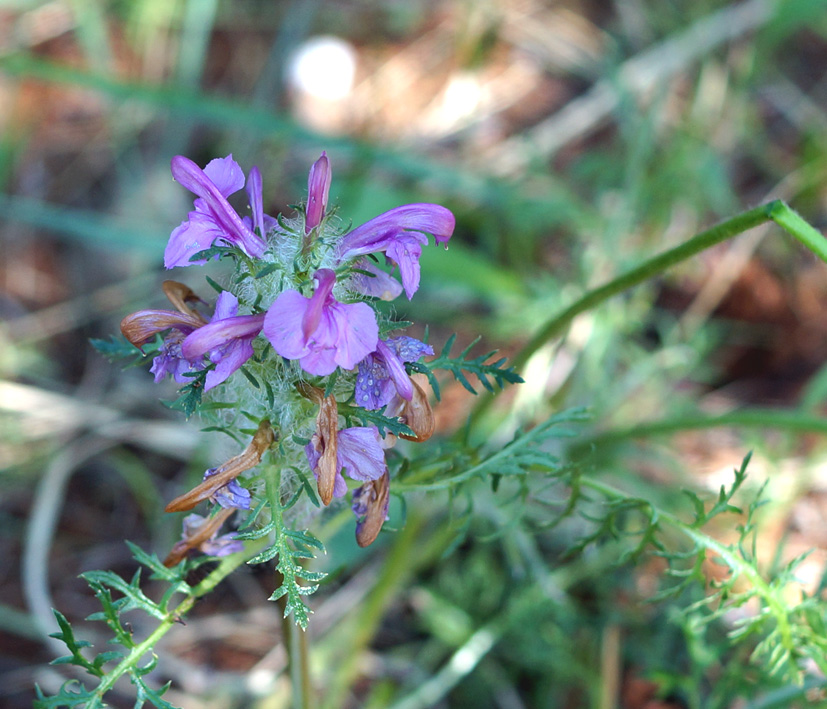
295 363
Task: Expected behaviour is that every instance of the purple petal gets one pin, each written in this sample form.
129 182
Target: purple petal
318 188
226 174
196 234
325 279
222 546
254 194
360 453
320 361
379 285
228 360
219 332
409 349
283 324
358 333
226 306
405 252
374 386
376 234
396 370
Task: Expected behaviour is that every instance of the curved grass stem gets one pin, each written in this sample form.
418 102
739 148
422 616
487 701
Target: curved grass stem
776 211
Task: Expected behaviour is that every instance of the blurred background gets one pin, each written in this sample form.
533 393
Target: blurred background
572 140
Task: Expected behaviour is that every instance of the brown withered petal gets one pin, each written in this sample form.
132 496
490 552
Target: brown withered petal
142 326
308 391
249 458
418 415
326 441
205 531
368 529
179 295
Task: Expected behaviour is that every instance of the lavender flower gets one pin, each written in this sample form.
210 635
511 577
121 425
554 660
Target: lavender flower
400 233
227 340
142 326
201 533
318 187
231 495
213 218
320 331
382 373
358 452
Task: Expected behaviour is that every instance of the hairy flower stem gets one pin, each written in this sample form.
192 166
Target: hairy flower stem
776 211
227 565
298 660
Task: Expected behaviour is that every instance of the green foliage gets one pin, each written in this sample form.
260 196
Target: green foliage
291 548
117 347
130 598
458 365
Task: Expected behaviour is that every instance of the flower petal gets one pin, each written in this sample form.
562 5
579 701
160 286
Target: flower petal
318 188
226 174
196 181
376 234
219 332
360 453
358 333
283 324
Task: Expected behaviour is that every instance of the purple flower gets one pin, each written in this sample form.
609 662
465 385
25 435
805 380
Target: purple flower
227 339
170 360
379 284
318 187
224 545
358 452
231 495
400 233
142 326
320 331
213 218
382 373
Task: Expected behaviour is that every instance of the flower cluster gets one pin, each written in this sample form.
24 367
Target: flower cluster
298 318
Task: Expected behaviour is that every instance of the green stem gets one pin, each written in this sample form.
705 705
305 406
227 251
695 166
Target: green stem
224 569
776 211
749 418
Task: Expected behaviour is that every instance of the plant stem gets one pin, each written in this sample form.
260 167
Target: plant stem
776 211
749 418
224 569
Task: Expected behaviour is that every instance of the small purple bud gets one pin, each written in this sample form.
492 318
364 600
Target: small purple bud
318 187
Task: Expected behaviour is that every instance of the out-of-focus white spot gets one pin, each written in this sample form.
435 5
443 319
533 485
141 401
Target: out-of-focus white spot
324 67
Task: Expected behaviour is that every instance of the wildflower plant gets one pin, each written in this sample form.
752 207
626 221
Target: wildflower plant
294 362
316 385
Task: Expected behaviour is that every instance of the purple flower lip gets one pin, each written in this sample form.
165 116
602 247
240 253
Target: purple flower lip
218 332
318 188
400 233
374 235
319 331
213 217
